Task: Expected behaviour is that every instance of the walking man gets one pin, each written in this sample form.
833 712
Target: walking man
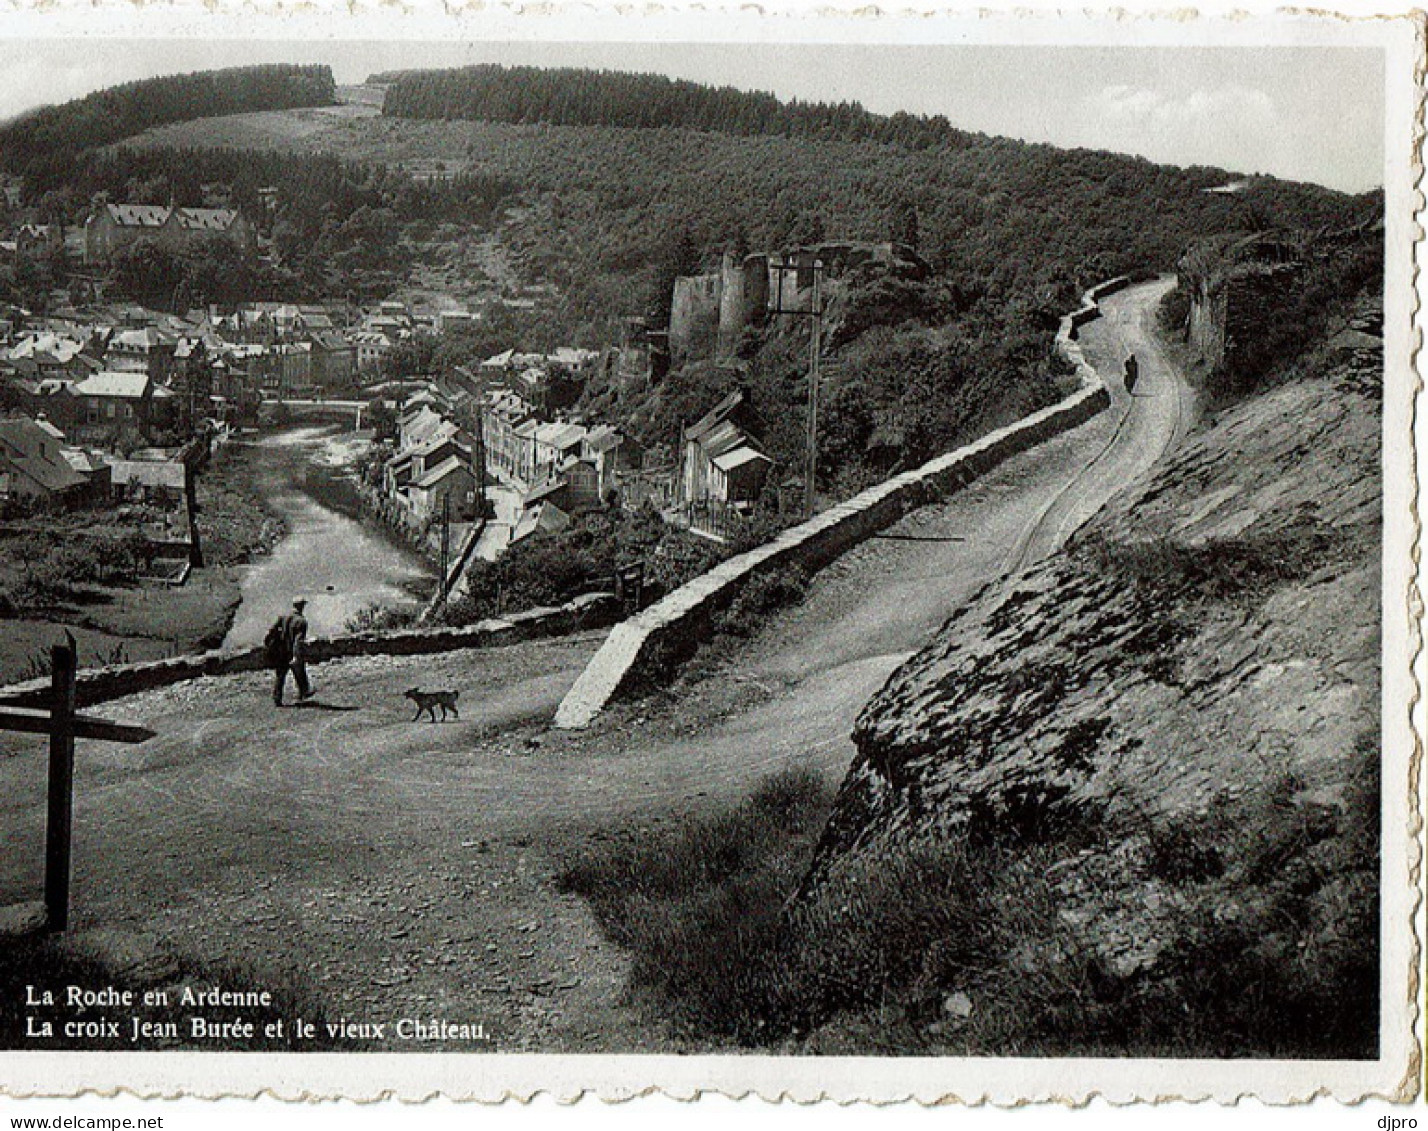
290 652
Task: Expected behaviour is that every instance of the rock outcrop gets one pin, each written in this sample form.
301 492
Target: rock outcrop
1177 720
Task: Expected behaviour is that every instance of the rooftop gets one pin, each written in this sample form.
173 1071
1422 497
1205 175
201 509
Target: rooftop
114 384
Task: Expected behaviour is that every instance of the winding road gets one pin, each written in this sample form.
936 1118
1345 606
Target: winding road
391 866
1148 421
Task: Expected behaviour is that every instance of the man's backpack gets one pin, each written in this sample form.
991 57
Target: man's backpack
275 645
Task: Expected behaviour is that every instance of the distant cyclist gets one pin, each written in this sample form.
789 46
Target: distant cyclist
1132 372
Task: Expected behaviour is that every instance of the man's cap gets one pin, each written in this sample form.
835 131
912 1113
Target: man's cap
301 602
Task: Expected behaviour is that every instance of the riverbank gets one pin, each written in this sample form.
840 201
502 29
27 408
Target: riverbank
117 618
236 523
329 555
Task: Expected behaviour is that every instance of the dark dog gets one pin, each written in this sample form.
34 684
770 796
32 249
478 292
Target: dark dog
429 701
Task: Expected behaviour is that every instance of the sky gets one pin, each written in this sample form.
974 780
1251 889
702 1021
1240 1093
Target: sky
1302 113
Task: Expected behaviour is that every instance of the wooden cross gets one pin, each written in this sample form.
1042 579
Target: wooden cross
63 725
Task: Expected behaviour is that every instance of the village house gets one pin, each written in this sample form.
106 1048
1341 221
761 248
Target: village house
551 446
425 397
48 354
334 361
32 240
231 394
372 348
418 422
114 226
454 320
34 469
314 319
523 443
447 487
723 461
147 350
553 493
93 465
464 378
295 375
503 365
502 414
431 472
150 481
578 364
253 368
54 398
541 517
612 456
109 400
551 382
582 482
421 449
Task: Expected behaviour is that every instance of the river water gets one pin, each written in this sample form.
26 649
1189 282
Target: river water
329 555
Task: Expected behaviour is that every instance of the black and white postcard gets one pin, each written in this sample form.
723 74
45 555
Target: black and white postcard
847 556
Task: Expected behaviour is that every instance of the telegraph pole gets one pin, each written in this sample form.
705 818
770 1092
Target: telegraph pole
445 540
815 353
815 349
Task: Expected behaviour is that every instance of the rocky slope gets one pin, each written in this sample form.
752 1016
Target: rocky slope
1146 771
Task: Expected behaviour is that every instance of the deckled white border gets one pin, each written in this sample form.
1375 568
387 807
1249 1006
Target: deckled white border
493 1077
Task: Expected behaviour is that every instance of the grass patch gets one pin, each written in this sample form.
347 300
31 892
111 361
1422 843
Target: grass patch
958 942
699 904
1222 569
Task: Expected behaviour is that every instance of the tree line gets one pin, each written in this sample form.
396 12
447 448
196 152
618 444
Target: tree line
40 142
572 96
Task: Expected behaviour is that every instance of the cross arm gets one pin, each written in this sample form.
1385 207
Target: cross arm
29 721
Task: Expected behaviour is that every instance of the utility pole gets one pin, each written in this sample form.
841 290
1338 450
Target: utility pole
815 353
481 464
815 349
445 541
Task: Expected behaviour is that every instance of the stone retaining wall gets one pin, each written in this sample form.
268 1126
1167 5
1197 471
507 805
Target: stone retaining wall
96 685
647 647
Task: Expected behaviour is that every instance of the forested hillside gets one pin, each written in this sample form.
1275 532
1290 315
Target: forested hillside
596 189
573 97
40 144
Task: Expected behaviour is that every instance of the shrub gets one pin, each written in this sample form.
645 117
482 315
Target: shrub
763 594
1183 853
378 618
1174 312
551 569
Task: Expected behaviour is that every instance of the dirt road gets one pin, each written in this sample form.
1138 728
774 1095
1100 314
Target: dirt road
404 869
